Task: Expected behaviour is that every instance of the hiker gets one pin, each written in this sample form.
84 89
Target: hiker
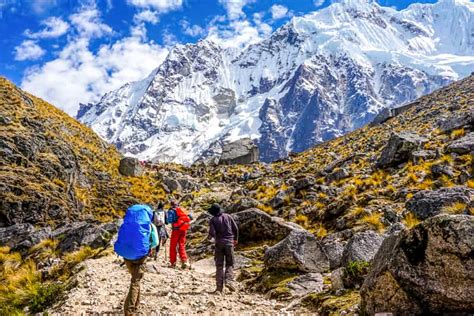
180 223
159 220
225 233
136 239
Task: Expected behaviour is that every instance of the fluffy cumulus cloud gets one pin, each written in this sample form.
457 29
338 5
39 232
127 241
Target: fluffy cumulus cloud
52 27
28 50
147 15
234 7
81 75
278 11
192 30
159 5
318 3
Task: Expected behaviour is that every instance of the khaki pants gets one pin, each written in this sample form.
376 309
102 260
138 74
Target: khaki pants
224 253
135 267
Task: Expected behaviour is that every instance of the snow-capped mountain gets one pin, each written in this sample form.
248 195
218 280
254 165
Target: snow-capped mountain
317 77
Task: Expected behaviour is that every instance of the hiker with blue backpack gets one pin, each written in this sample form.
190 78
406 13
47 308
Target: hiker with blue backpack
137 237
180 223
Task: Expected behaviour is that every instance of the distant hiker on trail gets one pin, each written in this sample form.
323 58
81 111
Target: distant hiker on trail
180 223
159 219
224 231
136 239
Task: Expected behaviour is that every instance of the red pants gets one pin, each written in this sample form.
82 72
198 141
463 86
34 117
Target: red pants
178 241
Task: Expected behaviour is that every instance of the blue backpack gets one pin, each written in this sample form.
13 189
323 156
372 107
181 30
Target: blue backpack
133 241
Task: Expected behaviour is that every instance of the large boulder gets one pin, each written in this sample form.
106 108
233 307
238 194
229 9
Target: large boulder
427 270
429 203
130 167
256 225
305 284
334 249
399 149
242 151
361 247
299 251
464 119
463 145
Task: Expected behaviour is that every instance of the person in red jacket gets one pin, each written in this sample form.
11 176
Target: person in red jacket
180 223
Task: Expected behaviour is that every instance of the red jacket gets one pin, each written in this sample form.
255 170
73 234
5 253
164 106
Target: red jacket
183 220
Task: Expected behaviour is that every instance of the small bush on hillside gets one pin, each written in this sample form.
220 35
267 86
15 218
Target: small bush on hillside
455 208
357 268
410 220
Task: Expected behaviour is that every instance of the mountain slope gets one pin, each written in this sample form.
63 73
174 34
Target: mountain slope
55 170
316 78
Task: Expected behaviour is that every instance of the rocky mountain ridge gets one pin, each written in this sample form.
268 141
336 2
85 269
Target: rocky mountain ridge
314 79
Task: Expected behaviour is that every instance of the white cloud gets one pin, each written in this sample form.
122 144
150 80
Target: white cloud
147 15
41 6
318 3
88 24
234 7
28 50
192 30
278 11
169 39
53 27
159 5
80 75
238 34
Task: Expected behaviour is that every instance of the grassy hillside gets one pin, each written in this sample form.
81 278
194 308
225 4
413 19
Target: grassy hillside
53 168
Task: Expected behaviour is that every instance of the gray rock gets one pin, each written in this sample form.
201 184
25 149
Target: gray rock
338 174
399 149
279 199
299 251
456 122
305 284
130 167
463 145
337 279
426 270
303 183
429 203
362 247
442 169
256 225
333 249
243 151
242 204
420 155
172 184
75 235
21 237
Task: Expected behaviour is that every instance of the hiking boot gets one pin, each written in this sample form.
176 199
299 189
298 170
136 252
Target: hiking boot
172 265
231 286
185 265
217 292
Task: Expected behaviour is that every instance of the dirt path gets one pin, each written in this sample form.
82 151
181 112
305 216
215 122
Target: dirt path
103 285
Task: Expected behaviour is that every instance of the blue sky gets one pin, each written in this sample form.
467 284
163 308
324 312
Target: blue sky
70 51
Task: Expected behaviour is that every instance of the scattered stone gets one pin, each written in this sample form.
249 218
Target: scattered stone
361 247
338 174
333 249
305 284
299 251
242 151
130 167
337 277
303 183
399 149
428 203
458 121
463 145
425 270
172 184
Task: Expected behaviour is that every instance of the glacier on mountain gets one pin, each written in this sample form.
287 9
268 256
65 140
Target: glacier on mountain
317 77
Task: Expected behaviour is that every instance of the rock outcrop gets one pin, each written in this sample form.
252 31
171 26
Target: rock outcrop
428 203
463 145
299 251
362 247
399 149
242 151
130 167
426 270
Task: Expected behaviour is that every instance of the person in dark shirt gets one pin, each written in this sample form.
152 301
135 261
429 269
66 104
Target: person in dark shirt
225 233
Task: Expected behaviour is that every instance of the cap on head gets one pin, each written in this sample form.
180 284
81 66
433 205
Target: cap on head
214 209
174 203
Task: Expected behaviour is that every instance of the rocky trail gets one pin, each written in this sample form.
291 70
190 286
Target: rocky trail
103 285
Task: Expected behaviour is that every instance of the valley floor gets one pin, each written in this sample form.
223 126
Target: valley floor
103 285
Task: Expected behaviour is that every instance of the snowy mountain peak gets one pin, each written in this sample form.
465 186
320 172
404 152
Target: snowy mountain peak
315 78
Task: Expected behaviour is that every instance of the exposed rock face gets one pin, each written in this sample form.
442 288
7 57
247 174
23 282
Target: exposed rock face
255 225
334 250
362 247
243 151
426 270
399 149
299 251
305 284
428 203
130 167
458 121
464 145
